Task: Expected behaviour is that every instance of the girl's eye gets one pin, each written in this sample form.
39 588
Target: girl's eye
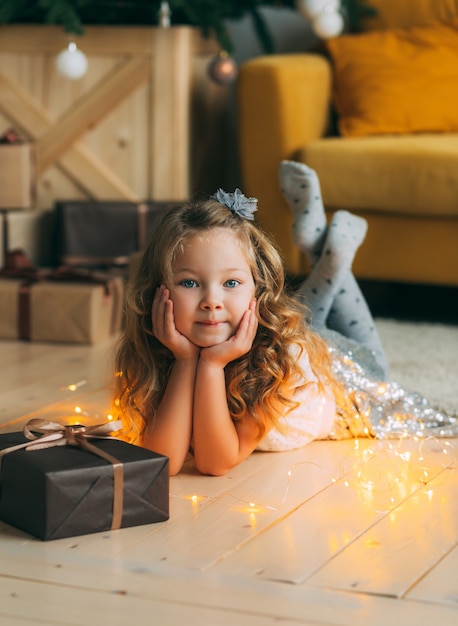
231 283
188 283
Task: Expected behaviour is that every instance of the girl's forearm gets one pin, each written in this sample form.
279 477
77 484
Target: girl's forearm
170 433
215 438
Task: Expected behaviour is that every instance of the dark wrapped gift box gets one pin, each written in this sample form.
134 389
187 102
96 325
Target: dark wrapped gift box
65 491
104 233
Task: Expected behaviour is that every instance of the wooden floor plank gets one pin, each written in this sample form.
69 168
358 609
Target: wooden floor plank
41 376
292 550
91 406
403 547
297 546
13 620
25 362
160 591
440 585
83 607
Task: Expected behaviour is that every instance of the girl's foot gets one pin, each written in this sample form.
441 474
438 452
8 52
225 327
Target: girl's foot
301 188
345 235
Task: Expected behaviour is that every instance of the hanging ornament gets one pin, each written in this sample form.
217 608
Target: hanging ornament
71 62
324 15
328 24
164 15
222 69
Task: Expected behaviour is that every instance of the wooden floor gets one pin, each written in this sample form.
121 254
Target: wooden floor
338 533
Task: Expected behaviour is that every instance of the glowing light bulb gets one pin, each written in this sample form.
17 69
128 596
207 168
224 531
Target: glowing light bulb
75 386
405 456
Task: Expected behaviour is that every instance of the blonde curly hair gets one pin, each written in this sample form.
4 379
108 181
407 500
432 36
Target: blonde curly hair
259 383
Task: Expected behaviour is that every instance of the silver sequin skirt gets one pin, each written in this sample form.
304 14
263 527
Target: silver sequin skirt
377 407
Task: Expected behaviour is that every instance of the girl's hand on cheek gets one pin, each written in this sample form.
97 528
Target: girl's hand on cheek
164 328
236 346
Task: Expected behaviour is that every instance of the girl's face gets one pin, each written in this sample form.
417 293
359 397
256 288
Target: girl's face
211 287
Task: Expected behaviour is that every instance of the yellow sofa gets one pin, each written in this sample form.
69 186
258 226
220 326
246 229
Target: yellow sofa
404 183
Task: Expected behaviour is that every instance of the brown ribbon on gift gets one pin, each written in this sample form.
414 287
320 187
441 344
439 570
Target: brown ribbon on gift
55 434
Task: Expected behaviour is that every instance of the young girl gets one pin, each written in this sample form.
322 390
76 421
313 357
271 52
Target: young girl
217 358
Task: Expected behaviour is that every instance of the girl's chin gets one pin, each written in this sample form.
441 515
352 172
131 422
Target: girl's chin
208 344
209 338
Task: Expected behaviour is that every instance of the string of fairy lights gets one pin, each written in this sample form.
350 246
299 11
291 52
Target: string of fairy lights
383 472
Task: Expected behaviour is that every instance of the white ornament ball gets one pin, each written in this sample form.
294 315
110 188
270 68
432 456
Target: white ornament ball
327 25
71 62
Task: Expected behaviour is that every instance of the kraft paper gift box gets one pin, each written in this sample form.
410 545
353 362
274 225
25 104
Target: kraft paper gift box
55 311
65 491
16 176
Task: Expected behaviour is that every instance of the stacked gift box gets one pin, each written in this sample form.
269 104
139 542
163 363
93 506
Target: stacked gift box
95 245
21 226
60 282
80 233
78 240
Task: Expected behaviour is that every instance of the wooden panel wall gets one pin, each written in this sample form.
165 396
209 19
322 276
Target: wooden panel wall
144 122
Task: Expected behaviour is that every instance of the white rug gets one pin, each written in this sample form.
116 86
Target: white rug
423 357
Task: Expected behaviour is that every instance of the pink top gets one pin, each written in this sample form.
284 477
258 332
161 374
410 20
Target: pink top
312 419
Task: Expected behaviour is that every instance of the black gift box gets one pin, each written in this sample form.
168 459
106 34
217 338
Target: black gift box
66 491
104 233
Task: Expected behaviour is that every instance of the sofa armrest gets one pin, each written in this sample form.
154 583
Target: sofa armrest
282 104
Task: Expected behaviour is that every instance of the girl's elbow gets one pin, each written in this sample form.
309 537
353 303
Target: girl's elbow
213 468
213 471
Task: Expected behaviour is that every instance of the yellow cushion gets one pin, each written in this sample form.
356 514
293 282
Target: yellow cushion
397 13
414 175
397 81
